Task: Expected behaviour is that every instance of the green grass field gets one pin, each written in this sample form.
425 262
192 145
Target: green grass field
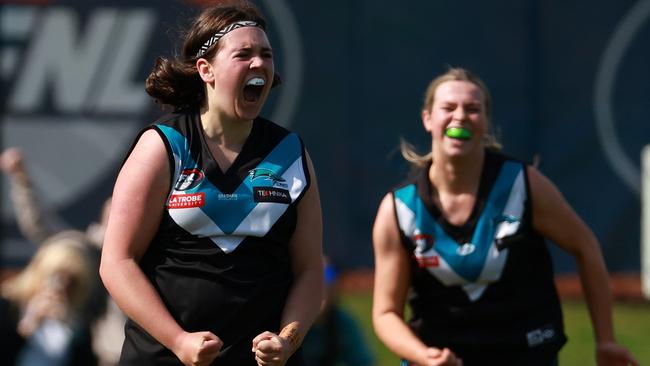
631 320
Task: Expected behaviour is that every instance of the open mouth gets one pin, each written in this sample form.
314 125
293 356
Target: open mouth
253 89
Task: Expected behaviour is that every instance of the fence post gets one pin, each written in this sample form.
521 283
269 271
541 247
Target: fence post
645 221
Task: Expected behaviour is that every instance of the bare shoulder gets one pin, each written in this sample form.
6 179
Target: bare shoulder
384 231
545 194
386 210
149 148
553 216
147 165
310 166
537 180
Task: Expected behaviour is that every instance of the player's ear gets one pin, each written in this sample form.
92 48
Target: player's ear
426 120
205 70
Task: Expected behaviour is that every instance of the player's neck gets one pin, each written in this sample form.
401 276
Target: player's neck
223 131
457 175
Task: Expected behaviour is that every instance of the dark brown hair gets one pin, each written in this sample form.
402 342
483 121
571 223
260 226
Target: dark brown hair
176 82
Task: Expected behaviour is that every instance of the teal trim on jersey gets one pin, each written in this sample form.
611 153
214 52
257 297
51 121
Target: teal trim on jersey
492 214
409 196
469 266
179 145
228 214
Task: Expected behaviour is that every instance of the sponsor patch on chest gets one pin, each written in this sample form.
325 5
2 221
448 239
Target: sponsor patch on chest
271 194
186 200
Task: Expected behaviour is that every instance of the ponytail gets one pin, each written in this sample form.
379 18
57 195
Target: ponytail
175 83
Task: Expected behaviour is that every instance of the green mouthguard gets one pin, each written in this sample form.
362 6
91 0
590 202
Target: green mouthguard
458 133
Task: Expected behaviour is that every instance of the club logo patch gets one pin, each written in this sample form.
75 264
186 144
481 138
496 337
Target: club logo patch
189 179
186 200
423 245
271 194
423 242
267 174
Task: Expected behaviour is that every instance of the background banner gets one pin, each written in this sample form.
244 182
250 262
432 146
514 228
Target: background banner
570 83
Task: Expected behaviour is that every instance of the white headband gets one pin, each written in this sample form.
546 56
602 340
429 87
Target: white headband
222 32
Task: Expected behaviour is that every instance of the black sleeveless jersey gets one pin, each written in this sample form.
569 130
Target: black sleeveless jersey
220 259
484 289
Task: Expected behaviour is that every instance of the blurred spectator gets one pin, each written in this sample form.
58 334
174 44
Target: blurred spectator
336 338
37 225
35 222
42 306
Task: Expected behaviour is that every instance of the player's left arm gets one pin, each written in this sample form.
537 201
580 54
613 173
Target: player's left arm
556 220
308 291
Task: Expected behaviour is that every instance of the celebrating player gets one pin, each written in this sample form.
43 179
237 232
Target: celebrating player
466 235
213 246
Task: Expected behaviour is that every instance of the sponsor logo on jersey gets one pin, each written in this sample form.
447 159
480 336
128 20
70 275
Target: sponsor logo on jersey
228 196
189 179
428 262
271 194
466 249
186 200
541 335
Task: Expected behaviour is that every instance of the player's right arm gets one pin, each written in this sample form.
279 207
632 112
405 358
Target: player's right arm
137 207
392 278
556 220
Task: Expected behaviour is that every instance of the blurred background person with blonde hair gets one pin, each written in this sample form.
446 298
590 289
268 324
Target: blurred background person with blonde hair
45 302
38 225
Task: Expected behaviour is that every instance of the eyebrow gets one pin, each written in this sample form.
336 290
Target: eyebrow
471 104
249 47
452 100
